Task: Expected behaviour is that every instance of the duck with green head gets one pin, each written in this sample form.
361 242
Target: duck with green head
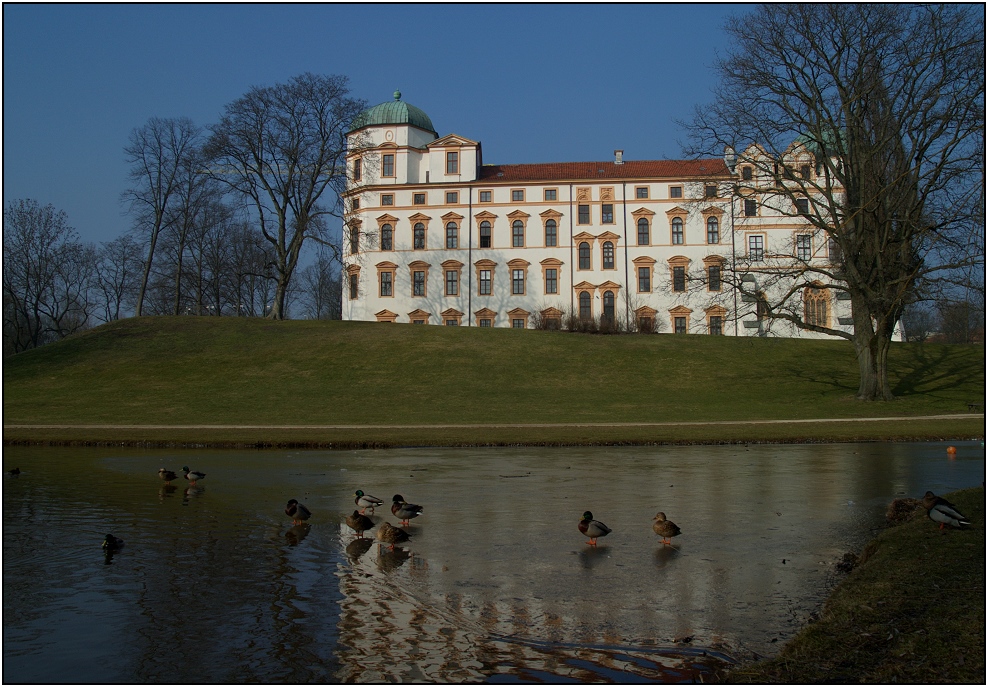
593 528
365 501
192 475
403 510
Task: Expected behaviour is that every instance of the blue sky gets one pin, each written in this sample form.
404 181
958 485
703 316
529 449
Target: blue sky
533 83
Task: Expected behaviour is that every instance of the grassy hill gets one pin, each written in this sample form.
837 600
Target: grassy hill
238 371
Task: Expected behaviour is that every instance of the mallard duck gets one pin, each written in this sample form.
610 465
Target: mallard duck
167 475
389 534
593 528
665 528
112 543
365 501
943 511
192 475
359 523
404 511
297 512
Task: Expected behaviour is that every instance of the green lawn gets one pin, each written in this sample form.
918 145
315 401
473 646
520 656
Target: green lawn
190 370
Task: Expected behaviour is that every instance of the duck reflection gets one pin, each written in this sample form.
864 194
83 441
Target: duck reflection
665 555
593 556
357 548
192 492
166 491
389 560
296 533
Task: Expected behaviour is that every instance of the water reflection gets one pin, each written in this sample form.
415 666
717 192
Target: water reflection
497 583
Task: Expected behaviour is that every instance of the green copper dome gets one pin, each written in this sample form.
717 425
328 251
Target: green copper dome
393 112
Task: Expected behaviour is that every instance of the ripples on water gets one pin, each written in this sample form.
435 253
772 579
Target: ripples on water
214 584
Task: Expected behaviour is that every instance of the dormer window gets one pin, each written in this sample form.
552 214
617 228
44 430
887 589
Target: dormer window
452 163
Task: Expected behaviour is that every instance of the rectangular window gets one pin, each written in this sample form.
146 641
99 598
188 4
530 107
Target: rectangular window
518 282
680 325
418 199
453 197
517 195
452 282
353 287
805 171
713 278
485 282
550 194
803 206
675 191
485 196
644 280
551 280
452 163
517 234
710 191
643 232
756 248
485 322
641 192
452 323
550 233
607 214
584 213
418 321
418 283
354 241
679 279
746 173
452 236
750 207
387 199
356 169
518 323
386 283
388 165
833 251
355 204
803 247
716 325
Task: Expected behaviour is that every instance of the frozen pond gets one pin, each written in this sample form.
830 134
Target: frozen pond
215 585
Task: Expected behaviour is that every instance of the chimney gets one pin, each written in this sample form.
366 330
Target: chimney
619 157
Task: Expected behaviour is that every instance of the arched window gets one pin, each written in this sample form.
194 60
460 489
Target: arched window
608 253
452 235
485 234
585 310
643 237
418 237
713 230
387 237
518 234
550 233
677 230
815 307
584 255
609 306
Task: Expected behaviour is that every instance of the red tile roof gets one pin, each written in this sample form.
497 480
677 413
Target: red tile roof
589 171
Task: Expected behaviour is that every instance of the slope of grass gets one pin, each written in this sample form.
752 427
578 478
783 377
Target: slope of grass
191 370
912 612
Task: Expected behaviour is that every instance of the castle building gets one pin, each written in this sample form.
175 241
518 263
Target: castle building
435 236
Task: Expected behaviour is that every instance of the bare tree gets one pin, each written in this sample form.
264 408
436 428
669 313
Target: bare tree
882 109
118 269
157 152
283 147
46 275
322 288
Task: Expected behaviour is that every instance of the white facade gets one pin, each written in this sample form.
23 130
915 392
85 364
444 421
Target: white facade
434 236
